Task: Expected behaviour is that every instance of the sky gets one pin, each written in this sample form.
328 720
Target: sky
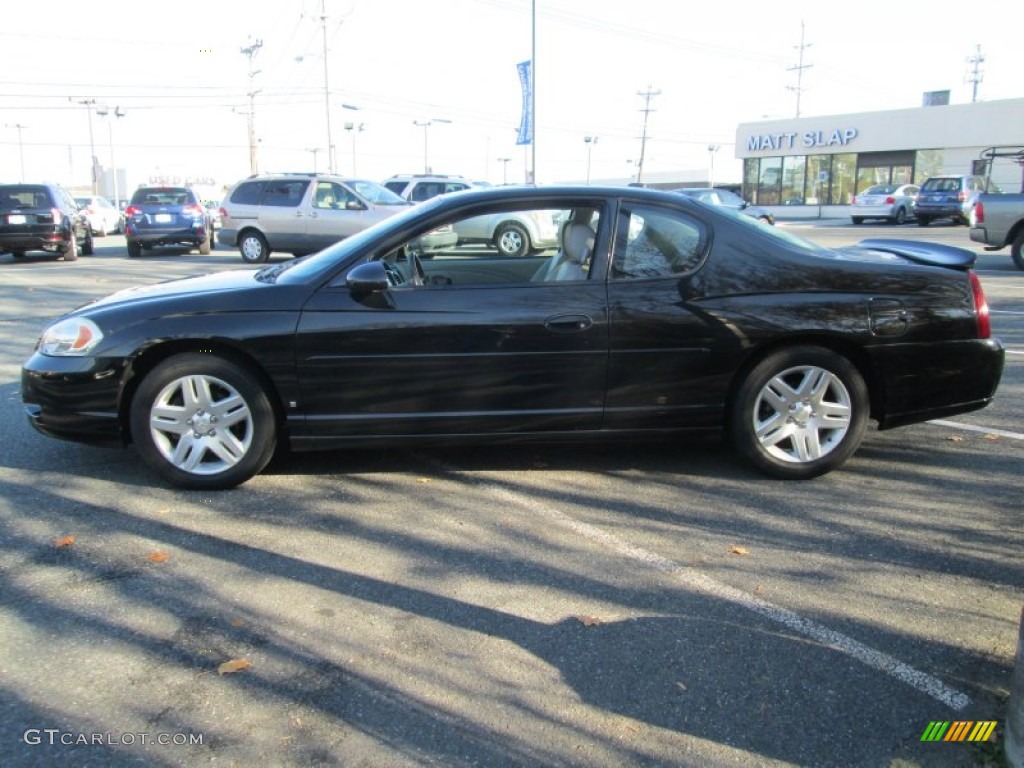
177 74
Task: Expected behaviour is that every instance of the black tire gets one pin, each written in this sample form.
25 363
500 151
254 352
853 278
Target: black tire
18 254
204 247
922 221
71 249
1017 250
512 239
857 219
799 413
203 422
901 216
134 249
88 247
253 247
103 229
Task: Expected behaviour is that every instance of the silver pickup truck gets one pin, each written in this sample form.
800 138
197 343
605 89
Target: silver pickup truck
997 221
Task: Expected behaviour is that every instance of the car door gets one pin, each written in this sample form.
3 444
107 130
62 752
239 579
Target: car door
336 212
283 214
661 347
478 349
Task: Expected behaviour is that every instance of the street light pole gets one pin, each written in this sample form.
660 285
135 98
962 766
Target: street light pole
88 104
354 128
118 112
21 149
504 168
712 148
327 89
590 141
425 125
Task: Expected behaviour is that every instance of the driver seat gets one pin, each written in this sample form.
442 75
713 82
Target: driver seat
569 263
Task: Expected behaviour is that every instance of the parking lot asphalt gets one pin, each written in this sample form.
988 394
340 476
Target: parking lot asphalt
621 605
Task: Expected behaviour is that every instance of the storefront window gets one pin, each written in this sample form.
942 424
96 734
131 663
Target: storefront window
928 162
793 170
844 169
750 179
769 186
818 179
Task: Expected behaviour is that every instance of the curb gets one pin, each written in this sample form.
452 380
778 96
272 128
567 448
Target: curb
1014 742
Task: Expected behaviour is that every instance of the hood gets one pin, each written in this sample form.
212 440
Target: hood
215 282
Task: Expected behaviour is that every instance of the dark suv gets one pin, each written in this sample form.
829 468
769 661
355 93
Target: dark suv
42 217
166 216
949 197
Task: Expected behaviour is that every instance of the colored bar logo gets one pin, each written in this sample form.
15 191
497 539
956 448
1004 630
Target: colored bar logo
959 730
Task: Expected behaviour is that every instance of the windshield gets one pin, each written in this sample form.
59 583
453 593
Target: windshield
376 193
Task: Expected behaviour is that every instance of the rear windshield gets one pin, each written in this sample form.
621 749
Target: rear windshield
941 185
880 189
161 196
24 196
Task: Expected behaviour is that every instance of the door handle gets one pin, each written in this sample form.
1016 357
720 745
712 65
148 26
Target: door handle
568 323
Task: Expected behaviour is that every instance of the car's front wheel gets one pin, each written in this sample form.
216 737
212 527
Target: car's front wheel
800 412
203 422
89 246
923 221
205 246
253 247
512 239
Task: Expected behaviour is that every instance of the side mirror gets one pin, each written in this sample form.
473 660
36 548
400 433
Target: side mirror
367 278
744 204
354 205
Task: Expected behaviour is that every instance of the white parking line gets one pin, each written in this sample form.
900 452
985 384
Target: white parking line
698 582
975 428
1014 352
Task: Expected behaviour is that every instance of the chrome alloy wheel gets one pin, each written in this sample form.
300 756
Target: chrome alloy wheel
201 424
802 414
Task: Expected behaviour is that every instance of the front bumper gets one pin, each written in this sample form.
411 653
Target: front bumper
74 398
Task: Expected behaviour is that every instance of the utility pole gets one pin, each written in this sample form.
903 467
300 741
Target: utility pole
250 51
648 95
21 147
89 104
975 76
799 69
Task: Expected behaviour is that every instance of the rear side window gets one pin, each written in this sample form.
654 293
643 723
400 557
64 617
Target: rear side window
653 242
248 193
285 194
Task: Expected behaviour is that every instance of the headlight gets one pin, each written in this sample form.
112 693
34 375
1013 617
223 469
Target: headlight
72 337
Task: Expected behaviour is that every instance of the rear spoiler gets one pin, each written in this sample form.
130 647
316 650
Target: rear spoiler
932 254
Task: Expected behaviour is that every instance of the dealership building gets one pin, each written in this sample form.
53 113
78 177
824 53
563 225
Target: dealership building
822 162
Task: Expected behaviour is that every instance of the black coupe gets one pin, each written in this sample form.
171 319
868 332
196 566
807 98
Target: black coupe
654 315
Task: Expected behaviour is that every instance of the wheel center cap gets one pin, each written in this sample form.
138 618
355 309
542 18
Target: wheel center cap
802 414
202 423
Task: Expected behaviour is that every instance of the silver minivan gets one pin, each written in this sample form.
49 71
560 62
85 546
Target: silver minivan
300 213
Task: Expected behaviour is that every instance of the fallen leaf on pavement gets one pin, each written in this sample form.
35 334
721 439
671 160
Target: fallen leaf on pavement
233 666
63 541
157 557
991 437
737 550
589 621
955 438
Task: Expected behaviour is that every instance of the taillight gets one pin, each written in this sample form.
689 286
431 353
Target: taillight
890 200
979 213
222 213
853 200
56 215
962 196
132 210
195 210
980 307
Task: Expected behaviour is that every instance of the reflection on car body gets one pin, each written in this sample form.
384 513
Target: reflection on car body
653 315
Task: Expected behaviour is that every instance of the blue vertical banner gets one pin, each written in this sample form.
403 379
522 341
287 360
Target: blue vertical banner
526 123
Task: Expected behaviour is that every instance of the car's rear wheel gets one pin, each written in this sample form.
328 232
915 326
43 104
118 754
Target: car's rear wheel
512 239
203 422
857 219
71 249
18 254
134 249
922 221
1017 250
103 229
800 412
253 247
901 216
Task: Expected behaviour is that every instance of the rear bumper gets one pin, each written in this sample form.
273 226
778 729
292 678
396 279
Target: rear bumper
36 241
931 381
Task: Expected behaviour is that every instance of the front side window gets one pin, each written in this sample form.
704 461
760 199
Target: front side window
652 242
332 196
